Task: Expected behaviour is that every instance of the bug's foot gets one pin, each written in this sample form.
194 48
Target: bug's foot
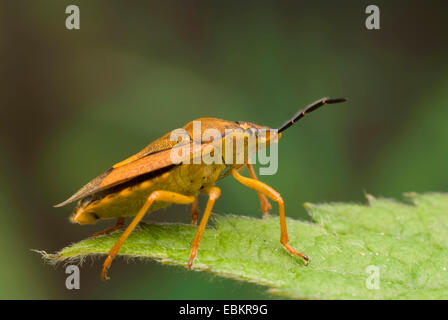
106 266
291 250
265 206
104 275
192 257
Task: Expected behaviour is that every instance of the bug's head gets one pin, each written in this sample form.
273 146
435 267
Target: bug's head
264 135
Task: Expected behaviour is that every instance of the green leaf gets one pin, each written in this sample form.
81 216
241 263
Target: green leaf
405 244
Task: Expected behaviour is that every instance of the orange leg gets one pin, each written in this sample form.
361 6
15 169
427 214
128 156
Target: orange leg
118 225
160 195
213 194
264 202
274 196
194 211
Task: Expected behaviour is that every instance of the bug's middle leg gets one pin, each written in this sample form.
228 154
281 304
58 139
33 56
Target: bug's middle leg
159 195
264 202
194 211
213 194
275 196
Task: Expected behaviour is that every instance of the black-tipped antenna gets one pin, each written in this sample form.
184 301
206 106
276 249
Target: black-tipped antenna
316 105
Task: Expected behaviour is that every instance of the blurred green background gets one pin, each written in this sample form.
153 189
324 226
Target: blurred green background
75 102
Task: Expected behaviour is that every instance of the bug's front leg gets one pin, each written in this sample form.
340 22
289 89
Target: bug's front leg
264 202
213 194
274 196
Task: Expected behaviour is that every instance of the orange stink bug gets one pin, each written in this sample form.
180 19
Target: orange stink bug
168 171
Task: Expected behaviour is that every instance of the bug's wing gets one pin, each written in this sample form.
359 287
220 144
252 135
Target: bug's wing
88 189
153 157
132 169
123 173
163 143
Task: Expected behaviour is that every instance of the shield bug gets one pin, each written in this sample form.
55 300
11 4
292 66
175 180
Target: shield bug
158 176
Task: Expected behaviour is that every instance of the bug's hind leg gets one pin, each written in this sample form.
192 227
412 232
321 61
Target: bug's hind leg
118 225
264 202
194 212
275 196
159 195
213 194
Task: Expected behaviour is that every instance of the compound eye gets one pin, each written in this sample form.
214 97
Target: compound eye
251 131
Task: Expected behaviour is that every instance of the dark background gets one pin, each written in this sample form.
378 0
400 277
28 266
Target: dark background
75 102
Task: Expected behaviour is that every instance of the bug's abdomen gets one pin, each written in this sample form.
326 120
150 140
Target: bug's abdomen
126 202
